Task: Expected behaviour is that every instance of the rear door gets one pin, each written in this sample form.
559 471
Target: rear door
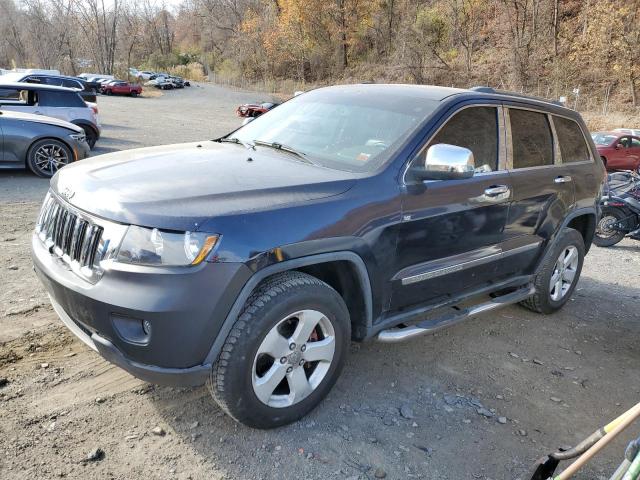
633 153
543 188
451 231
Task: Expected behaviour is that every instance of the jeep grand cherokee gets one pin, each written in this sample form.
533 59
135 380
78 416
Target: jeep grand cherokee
347 213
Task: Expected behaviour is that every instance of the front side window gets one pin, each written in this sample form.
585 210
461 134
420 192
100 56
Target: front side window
572 144
531 139
475 128
353 129
10 94
635 142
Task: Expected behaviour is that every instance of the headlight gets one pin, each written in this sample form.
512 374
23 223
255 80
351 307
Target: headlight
145 246
79 137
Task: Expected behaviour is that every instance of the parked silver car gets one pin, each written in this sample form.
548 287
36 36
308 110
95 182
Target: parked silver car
42 144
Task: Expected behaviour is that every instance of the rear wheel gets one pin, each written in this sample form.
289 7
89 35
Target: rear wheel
284 353
47 156
559 274
134 93
606 235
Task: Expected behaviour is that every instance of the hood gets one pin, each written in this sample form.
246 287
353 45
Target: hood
31 117
181 186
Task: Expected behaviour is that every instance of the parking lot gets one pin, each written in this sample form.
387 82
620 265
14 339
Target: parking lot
482 400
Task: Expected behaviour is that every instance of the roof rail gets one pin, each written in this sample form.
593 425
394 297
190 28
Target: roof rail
483 89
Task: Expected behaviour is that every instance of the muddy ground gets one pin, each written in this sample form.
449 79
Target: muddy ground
431 408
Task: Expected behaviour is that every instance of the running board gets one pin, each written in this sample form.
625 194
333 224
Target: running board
400 334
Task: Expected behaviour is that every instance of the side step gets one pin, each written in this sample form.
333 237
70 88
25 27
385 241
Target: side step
400 334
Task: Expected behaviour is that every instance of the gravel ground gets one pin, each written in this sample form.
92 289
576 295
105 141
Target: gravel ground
481 400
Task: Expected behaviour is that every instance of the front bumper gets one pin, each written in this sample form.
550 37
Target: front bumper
185 309
81 150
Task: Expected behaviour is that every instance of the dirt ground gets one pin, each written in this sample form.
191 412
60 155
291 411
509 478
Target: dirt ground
481 400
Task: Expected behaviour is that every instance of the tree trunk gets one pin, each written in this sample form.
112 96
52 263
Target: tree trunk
632 88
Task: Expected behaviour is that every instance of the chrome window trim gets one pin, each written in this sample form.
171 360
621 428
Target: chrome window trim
501 151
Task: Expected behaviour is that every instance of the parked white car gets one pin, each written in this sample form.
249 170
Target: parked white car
144 75
51 101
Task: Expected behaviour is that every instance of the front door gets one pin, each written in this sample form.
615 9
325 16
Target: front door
449 239
543 188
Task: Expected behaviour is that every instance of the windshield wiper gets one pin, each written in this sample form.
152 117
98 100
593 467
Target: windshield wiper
284 148
247 145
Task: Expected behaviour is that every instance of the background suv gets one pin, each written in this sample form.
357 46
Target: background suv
347 213
57 102
85 89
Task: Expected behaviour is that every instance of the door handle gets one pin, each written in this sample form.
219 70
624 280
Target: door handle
562 179
497 190
493 194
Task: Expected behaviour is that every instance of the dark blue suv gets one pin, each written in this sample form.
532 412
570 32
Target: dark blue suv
347 213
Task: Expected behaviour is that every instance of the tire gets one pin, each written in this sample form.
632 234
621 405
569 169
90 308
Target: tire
603 236
90 133
134 94
550 298
270 320
45 157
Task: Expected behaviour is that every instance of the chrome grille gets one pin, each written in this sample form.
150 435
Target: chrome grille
68 234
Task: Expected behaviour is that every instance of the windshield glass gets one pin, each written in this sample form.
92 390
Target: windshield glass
350 129
603 138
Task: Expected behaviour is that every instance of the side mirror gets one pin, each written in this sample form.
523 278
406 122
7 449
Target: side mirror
445 162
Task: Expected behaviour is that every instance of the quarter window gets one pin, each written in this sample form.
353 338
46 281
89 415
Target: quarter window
572 144
531 137
475 128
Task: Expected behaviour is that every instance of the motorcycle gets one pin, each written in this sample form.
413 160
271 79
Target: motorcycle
620 207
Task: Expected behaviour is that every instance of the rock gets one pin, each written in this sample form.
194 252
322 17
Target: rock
3 382
466 420
194 425
414 425
95 455
502 420
451 399
448 409
44 365
12 267
514 355
100 400
406 411
556 399
484 412
69 355
538 362
159 431
522 433
380 473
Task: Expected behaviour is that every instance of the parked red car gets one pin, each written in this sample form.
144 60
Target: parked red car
619 151
121 88
254 109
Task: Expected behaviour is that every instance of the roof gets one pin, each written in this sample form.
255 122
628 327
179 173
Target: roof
428 92
35 86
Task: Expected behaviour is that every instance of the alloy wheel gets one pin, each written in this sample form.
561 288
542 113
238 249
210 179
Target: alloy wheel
564 273
293 358
49 158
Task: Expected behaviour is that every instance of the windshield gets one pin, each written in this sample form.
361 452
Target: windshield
603 138
347 129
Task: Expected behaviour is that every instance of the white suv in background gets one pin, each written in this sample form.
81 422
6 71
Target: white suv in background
51 101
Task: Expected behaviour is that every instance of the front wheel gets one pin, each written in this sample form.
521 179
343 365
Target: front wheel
559 273
284 353
606 235
47 156
134 94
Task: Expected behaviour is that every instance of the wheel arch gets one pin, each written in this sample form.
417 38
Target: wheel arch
336 269
85 123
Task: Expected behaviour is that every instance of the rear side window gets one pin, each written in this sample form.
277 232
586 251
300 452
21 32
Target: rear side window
531 137
71 83
572 144
475 128
49 98
9 94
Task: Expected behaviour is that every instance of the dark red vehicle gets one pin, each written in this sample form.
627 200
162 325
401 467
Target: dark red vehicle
254 109
619 151
121 88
